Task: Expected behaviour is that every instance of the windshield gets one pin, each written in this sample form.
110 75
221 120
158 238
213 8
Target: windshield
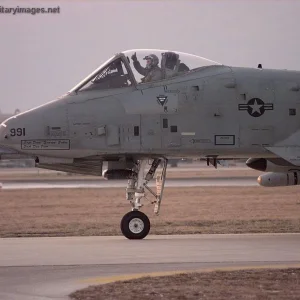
141 66
92 75
113 74
153 64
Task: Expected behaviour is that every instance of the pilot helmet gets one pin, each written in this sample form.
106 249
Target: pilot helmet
171 59
152 61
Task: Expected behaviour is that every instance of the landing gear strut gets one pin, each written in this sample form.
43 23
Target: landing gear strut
135 224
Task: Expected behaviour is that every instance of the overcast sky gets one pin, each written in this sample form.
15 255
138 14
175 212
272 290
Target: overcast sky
44 56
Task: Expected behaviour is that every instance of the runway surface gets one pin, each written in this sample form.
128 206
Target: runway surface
175 182
51 268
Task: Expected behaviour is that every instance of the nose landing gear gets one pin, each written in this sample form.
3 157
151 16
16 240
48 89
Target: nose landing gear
135 224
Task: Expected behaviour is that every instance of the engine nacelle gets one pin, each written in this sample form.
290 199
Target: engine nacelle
279 179
269 165
119 174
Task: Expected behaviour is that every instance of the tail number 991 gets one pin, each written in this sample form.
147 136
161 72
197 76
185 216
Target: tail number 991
17 132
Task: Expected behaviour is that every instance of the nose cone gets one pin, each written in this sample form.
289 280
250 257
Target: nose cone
259 164
10 134
4 143
3 135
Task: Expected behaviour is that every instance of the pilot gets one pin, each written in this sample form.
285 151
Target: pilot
152 71
173 66
171 60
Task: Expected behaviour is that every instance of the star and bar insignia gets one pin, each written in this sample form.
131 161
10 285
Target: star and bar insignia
256 107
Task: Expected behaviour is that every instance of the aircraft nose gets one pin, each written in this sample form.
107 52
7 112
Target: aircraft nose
4 140
7 146
5 128
3 135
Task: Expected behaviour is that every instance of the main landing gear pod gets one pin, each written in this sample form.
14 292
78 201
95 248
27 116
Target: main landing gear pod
135 225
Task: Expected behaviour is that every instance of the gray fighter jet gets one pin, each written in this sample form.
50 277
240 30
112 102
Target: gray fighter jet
142 107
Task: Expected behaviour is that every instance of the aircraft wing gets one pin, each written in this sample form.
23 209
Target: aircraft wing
288 153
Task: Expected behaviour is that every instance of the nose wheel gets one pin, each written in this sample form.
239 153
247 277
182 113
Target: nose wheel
135 225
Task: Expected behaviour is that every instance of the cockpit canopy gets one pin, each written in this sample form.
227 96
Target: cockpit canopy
140 66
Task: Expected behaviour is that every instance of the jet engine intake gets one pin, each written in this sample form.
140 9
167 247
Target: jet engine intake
273 179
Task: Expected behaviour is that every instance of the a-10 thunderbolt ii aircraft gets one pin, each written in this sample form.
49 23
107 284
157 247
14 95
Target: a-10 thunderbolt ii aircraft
134 118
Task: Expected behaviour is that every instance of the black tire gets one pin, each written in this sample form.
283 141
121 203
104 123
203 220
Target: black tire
135 225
